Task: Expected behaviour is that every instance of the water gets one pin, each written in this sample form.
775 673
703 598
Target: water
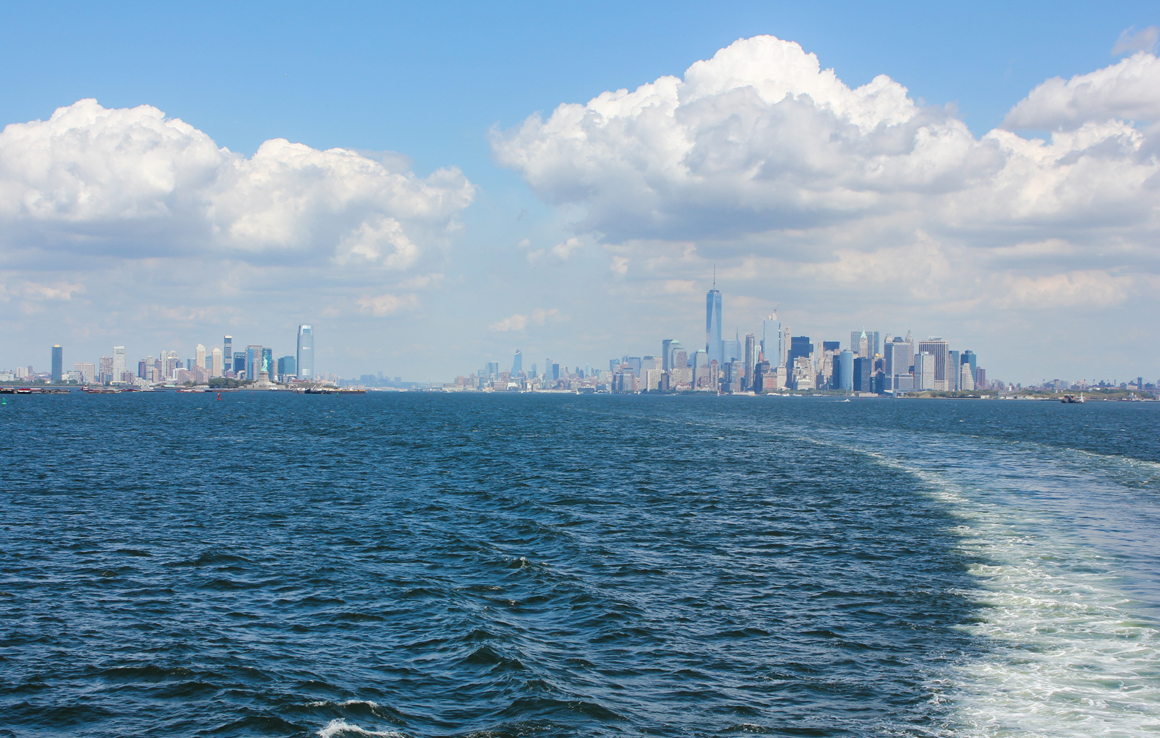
429 565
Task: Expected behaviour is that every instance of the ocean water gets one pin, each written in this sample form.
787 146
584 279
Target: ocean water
442 565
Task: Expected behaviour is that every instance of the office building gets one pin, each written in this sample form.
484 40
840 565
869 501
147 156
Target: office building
750 359
713 326
518 363
771 340
239 363
970 358
305 352
938 349
217 368
799 346
667 354
199 357
846 370
118 364
57 363
106 374
228 350
286 368
87 370
924 370
253 361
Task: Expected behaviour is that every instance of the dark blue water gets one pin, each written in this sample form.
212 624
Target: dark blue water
431 565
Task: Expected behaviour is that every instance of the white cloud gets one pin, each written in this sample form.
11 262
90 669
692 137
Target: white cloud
1132 40
563 250
766 163
1127 90
520 322
131 182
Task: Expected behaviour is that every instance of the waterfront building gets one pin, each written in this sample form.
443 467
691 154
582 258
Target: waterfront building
897 362
750 360
57 363
938 349
118 372
106 375
305 362
771 339
924 370
216 366
228 350
952 370
846 370
798 346
713 325
87 370
966 379
253 358
518 363
239 363
970 358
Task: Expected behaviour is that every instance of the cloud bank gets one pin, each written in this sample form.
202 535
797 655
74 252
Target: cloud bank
762 157
132 183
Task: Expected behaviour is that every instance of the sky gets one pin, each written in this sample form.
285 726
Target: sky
435 186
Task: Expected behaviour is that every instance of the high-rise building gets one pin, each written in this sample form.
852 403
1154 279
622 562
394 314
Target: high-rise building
253 361
798 346
970 358
518 363
713 325
239 362
106 370
228 350
953 370
937 348
750 360
57 363
666 353
216 366
897 362
286 368
771 340
87 370
846 370
924 370
199 356
305 352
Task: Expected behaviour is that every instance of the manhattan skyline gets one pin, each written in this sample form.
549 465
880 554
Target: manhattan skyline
986 176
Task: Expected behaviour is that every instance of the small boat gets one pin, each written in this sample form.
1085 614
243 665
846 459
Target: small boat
1073 400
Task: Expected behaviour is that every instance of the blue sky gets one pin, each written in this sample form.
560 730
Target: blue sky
437 84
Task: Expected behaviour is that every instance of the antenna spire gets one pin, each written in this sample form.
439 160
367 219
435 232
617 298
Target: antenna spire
714 275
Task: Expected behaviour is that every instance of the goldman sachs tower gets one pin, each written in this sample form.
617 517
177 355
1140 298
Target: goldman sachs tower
713 324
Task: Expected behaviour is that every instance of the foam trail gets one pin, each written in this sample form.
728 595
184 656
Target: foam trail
1067 653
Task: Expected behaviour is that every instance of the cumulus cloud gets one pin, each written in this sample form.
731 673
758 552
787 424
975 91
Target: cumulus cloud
132 182
761 155
520 322
1128 90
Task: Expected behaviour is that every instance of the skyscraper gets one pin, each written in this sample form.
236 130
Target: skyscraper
253 361
518 363
118 364
228 350
305 352
665 353
937 348
750 360
199 356
846 370
216 366
771 339
57 363
713 325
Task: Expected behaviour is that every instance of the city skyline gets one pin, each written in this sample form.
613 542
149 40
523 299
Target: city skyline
987 182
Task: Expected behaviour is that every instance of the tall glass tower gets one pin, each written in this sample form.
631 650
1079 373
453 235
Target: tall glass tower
518 363
305 352
57 363
713 326
771 340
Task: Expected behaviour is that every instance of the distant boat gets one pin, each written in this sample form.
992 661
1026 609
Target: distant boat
1073 400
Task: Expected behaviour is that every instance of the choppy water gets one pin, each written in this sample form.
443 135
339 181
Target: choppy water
428 565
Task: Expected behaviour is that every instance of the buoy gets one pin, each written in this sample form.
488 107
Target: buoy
219 395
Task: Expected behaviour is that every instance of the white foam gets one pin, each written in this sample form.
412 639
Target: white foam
1067 654
340 728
